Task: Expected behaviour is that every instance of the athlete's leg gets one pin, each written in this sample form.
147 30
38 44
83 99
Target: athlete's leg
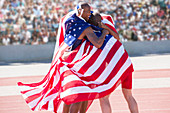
66 108
75 107
83 107
105 104
130 100
127 92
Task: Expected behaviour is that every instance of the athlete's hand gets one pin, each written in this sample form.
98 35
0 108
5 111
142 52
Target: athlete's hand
102 25
105 32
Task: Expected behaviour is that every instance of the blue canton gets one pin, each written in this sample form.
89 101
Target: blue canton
74 27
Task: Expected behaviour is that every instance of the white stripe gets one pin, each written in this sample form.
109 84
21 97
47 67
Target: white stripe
63 69
50 99
78 65
51 105
64 46
34 102
32 92
105 21
80 52
69 78
109 16
100 58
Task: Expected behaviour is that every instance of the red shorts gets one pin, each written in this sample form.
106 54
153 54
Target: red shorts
127 83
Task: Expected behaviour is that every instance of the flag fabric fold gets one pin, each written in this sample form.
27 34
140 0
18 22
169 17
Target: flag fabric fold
87 73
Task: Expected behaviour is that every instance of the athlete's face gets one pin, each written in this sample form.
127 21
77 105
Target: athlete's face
86 13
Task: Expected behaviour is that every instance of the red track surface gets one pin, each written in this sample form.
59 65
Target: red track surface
150 100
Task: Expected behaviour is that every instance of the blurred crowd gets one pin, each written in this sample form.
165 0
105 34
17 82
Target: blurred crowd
36 21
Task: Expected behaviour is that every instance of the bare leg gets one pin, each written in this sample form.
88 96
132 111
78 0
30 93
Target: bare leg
105 104
130 100
83 107
66 108
75 107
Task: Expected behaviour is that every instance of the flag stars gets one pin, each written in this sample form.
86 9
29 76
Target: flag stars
72 21
79 28
69 37
74 29
74 35
69 31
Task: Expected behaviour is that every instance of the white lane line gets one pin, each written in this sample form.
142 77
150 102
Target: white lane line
137 84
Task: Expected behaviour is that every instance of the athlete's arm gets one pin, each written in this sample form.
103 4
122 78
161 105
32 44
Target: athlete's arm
113 33
96 41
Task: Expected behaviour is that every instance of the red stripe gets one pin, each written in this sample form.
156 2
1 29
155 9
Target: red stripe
102 67
90 62
72 84
23 92
78 60
116 68
109 18
33 97
45 106
111 27
79 97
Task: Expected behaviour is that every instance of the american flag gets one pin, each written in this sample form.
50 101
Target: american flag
88 73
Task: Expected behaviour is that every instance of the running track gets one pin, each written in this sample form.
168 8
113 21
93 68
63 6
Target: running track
151 87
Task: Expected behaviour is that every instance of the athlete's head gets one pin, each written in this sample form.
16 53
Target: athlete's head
95 19
84 10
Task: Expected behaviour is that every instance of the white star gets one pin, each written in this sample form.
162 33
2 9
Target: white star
74 29
74 34
79 28
69 37
70 42
71 20
69 31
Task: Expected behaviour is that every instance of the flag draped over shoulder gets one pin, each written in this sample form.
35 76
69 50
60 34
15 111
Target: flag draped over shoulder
87 73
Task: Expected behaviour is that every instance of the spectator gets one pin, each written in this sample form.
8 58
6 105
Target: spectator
2 17
14 3
36 23
9 20
44 35
160 13
3 27
21 20
17 27
5 40
25 36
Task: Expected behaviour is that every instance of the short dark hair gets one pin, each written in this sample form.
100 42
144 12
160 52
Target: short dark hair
94 19
84 4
